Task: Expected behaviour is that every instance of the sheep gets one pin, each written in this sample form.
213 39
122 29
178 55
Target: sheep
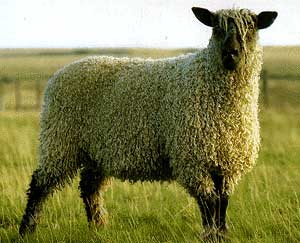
192 119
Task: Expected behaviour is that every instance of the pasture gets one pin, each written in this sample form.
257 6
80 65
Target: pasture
265 207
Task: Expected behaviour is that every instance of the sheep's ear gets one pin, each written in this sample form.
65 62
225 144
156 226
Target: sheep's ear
205 16
265 19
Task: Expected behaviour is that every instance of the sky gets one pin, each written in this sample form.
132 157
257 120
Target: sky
131 23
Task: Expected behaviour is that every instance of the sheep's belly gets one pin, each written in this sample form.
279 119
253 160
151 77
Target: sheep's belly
139 168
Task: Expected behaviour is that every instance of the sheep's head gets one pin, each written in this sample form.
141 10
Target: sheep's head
234 31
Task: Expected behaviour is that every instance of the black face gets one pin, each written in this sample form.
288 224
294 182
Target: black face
230 39
230 59
231 50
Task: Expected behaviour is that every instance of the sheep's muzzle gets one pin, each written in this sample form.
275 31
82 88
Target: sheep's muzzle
230 59
231 48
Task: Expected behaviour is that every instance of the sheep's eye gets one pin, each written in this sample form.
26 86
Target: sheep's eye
218 31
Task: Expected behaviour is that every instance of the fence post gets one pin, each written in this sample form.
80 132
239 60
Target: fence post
17 94
265 87
38 94
2 97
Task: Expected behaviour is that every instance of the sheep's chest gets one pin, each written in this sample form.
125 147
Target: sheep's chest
229 135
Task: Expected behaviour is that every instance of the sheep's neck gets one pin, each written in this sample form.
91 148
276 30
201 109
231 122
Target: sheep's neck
226 85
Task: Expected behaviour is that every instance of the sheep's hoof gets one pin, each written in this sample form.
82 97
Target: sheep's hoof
100 217
27 225
209 234
223 230
214 235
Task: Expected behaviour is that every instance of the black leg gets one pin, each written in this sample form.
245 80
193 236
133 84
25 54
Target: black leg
43 183
92 186
37 193
207 209
221 204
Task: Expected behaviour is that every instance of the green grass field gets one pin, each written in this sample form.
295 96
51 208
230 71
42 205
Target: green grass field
265 207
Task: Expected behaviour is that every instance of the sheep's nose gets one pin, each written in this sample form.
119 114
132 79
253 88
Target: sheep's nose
232 53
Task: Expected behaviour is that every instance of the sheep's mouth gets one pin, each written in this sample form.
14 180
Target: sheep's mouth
230 59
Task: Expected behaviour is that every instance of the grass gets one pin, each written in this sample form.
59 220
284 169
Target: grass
265 207
282 62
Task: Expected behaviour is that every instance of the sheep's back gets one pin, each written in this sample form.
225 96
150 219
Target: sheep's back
109 108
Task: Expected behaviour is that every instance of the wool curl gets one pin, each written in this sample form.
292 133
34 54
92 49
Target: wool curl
166 119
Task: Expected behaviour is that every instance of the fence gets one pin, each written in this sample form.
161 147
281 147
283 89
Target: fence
265 89
30 97
19 96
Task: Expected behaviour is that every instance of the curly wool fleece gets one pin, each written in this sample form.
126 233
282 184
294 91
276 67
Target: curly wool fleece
141 117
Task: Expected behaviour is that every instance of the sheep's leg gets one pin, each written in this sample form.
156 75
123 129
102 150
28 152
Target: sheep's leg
221 205
92 186
41 186
207 208
37 194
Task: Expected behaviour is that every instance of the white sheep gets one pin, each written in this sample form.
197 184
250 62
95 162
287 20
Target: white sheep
192 119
